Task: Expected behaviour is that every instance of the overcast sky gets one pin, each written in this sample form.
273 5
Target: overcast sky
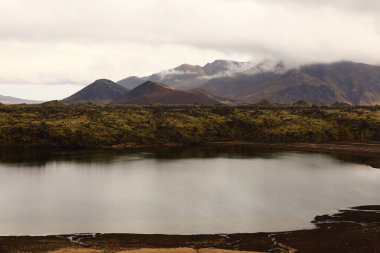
51 48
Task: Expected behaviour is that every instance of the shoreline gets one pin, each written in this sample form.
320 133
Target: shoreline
370 151
349 230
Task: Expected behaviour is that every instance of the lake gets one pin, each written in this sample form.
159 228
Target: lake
176 190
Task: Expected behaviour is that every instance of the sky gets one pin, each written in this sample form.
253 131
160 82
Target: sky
52 48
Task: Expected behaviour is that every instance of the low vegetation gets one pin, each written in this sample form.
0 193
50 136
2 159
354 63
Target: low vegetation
88 125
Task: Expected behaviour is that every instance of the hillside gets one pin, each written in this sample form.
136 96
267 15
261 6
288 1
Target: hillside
101 91
345 82
358 83
154 92
12 100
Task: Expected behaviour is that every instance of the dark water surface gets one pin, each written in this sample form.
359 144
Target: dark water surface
176 191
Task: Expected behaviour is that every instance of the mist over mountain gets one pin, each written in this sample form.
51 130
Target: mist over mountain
186 76
101 91
13 100
346 82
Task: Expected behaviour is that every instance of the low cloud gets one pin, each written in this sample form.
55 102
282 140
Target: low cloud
54 41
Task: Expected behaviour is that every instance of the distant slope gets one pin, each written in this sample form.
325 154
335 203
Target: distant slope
344 82
154 92
357 83
278 88
186 76
101 91
13 100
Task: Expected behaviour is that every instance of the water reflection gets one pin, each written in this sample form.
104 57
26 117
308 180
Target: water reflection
40 157
176 191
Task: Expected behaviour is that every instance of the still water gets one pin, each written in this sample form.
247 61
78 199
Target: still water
176 191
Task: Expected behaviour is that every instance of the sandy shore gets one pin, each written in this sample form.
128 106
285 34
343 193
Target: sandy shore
349 230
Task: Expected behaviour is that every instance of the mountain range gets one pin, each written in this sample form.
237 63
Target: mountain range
230 81
105 91
345 82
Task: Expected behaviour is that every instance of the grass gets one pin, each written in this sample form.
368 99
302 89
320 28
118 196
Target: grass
88 125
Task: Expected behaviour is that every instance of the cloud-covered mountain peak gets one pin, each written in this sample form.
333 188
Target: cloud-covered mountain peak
187 76
224 68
